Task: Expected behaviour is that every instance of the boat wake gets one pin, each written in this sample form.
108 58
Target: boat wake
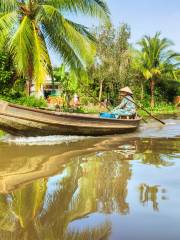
45 140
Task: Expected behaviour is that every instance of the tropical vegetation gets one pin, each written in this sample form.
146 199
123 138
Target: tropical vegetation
156 59
152 70
30 28
94 64
111 69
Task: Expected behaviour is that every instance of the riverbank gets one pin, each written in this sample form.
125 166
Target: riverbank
160 109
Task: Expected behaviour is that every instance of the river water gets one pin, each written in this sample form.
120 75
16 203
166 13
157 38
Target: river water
118 187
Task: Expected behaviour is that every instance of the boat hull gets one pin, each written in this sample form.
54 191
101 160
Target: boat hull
23 121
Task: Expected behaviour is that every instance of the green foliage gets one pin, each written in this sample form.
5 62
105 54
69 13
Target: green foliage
118 64
111 70
160 108
32 101
67 79
2 134
155 56
27 32
168 89
70 82
10 85
155 59
29 101
30 28
6 73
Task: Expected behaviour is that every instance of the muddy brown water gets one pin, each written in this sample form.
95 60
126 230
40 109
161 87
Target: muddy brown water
118 187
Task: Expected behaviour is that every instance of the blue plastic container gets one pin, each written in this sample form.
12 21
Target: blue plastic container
106 115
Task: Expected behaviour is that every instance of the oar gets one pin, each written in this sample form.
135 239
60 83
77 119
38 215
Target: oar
97 100
146 111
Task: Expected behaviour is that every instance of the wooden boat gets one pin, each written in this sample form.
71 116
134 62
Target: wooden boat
25 121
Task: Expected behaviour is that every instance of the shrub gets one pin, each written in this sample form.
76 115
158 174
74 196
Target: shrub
32 101
29 101
1 133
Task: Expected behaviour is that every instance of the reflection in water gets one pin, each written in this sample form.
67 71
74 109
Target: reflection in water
150 154
91 182
149 193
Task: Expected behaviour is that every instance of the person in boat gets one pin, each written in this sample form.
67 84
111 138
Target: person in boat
126 107
76 102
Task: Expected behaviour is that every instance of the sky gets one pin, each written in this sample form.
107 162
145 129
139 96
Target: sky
143 17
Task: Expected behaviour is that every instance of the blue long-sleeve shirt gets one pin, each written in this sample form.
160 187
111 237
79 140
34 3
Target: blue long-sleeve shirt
125 108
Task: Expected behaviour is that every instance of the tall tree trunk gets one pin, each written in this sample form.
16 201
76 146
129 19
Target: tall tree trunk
28 88
142 90
29 80
152 85
100 90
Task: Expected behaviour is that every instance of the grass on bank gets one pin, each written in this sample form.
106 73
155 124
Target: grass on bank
161 108
29 101
2 134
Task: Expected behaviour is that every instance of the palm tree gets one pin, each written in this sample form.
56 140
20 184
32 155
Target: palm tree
30 28
156 59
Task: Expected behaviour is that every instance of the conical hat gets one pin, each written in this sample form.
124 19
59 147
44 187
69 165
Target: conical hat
126 89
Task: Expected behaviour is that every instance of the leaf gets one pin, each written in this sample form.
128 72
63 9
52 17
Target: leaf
7 22
21 46
147 74
93 8
65 38
41 61
8 5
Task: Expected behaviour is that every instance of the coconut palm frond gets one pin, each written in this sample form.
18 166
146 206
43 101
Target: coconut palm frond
8 5
41 61
172 56
63 29
7 21
93 8
33 195
71 41
83 47
62 47
156 53
21 45
100 232
83 30
147 74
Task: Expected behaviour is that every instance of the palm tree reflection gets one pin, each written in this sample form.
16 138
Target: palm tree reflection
98 233
149 193
149 153
96 183
20 211
31 213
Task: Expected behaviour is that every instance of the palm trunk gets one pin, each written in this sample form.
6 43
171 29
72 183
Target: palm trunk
142 90
29 80
28 88
100 90
152 85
